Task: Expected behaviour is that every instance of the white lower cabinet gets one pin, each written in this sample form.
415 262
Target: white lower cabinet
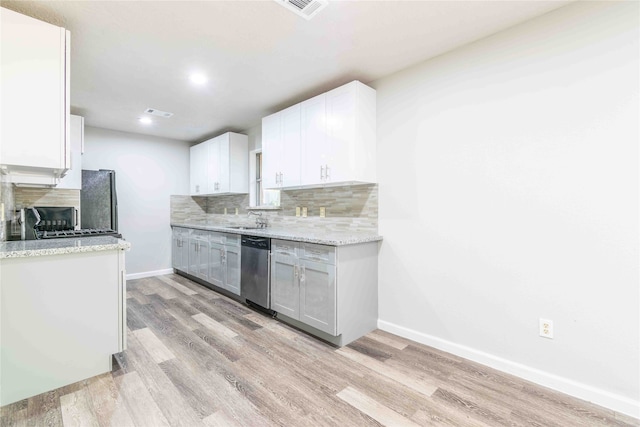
328 291
62 317
208 255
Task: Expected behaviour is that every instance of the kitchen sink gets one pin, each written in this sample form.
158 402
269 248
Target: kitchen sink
242 227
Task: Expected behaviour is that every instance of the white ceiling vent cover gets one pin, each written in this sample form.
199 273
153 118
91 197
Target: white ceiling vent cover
305 8
158 113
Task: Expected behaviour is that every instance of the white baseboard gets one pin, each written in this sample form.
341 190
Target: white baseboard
144 274
586 392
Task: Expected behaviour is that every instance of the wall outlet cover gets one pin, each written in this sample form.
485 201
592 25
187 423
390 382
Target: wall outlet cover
323 212
297 210
546 328
304 212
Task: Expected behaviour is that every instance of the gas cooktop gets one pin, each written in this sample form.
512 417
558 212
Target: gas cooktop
85 232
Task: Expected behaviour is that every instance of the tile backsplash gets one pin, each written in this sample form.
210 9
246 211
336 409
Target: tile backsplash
353 208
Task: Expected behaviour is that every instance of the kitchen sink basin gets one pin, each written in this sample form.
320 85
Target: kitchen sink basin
242 227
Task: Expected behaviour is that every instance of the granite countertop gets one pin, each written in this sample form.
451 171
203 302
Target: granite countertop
318 236
31 248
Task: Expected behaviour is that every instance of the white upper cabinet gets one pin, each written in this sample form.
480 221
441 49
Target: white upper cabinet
73 179
281 139
351 134
313 139
198 157
333 141
35 89
220 166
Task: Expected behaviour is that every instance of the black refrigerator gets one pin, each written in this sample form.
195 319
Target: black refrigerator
98 201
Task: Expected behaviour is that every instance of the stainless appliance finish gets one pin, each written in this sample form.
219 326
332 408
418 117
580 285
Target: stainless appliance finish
98 201
254 273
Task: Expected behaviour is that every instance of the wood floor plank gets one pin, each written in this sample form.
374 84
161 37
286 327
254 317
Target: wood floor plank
374 409
164 393
190 388
220 419
141 406
387 340
108 404
373 348
422 386
158 351
215 327
199 289
177 286
77 410
44 410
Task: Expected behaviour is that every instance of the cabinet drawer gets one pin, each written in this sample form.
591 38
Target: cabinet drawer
232 240
199 234
319 253
181 232
284 247
215 237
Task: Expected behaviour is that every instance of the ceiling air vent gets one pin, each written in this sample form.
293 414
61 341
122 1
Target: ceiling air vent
305 8
158 113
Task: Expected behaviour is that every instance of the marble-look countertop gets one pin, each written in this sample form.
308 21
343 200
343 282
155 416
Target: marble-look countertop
318 236
31 248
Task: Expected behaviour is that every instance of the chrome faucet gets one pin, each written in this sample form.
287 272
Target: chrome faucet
260 222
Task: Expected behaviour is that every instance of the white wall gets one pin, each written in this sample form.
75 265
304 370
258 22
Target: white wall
148 170
509 191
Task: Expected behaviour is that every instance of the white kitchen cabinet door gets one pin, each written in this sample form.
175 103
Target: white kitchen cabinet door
73 179
216 264
318 295
232 269
35 89
290 160
281 148
198 257
214 159
351 134
285 279
271 150
313 140
180 249
198 158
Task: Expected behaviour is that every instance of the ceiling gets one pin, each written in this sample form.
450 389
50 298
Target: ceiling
259 57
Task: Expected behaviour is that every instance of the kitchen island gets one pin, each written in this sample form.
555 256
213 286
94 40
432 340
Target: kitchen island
62 312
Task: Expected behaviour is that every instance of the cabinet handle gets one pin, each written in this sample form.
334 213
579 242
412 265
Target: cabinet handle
326 173
321 173
303 271
281 179
197 188
295 272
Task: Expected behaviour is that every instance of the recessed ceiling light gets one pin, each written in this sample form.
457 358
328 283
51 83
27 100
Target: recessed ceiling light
145 120
198 78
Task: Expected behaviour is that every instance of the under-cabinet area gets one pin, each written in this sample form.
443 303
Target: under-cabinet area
328 291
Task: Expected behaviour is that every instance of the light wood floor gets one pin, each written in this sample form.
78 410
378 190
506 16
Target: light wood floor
196 358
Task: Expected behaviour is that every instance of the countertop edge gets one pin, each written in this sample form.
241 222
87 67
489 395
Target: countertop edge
350 239
25 253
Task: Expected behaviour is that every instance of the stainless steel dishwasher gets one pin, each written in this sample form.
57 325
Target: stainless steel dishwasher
255 271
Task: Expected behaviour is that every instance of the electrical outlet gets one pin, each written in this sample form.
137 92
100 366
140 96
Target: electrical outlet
236 211
225 211
297 210
322 212
304 212
546 328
